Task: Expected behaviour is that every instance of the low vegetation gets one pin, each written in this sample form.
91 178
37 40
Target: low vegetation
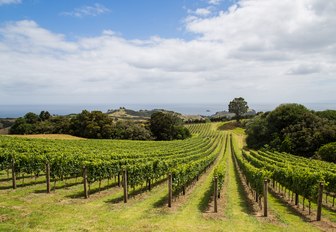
328 152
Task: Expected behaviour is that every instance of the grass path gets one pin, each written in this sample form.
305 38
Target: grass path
238 212
288 220
283 217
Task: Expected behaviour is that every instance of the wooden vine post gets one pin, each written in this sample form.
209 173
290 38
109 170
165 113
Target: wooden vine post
319 202
48 176
265 198
125 186
170 189
86 192
13 173
149 185
118 179
296 199
215 194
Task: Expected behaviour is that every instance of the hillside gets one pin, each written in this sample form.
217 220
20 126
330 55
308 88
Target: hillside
103 206
5 124
128 114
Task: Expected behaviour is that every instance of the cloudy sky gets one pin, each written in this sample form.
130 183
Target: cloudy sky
167 51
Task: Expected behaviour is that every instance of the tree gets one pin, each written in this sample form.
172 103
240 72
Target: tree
21 126
257 132
31 118
44 115
239 107
328 114
291 128
130 130
305 136
93 124
328 152
167 126
285 115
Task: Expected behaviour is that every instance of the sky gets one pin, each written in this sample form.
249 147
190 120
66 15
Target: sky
167 51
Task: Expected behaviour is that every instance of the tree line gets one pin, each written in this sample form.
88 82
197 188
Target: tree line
98 125
294 129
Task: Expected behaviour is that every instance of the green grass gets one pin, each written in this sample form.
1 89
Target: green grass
327 213
30 209
287 218
239 131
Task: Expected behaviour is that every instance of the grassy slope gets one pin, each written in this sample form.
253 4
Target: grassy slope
48 136
29 209
283 217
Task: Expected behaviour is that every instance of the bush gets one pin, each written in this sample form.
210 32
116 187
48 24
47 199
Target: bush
328 152
290 128
167 126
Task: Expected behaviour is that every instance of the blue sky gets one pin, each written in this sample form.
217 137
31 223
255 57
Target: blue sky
167 51
133 19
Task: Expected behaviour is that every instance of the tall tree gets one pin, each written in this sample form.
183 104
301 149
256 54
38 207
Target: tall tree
167 126
239 107
44 115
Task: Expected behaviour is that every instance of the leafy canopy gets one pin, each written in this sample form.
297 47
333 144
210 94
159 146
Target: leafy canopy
290 128
239 107
168 126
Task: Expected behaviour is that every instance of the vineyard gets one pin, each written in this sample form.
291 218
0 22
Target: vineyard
207 182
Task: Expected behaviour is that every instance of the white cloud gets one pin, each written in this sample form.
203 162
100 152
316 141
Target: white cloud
27 36
305 69
263 50
202 11
214 2
5 2
95 10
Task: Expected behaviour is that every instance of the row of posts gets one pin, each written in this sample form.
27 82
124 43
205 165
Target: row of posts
124 184
170 189
265 193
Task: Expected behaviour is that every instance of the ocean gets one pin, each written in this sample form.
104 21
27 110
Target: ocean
15 111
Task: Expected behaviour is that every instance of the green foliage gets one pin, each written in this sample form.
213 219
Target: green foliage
43 124
6 122
143 160
93 124
130 130
87 124
300 175
220 170
255 175
167 126
291 128
308 135
44 115
285 115
21 126
328 152
258 132
327 114
239 107
31 118
184 174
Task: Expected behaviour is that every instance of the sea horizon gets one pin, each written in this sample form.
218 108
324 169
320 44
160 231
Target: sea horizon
15 111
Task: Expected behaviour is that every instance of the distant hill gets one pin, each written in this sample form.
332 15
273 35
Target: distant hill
231 115
5 124
128 114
